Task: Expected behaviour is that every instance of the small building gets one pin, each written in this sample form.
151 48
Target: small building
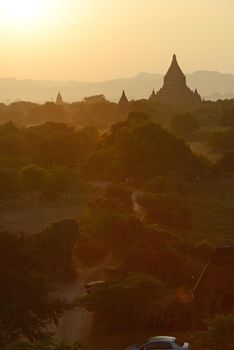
214 291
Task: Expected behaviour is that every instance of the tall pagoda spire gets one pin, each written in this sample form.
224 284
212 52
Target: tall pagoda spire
174 74
123 100
153 95
59 100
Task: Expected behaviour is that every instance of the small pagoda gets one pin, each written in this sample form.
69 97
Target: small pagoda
123 102
59 100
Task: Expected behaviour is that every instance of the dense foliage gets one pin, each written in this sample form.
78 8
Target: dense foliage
123 303
157 220
139 149
29 266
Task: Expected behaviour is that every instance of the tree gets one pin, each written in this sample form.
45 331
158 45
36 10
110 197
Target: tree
184 124
59 180
170 211
123 303
227 119
32 178
26 307
56 248
11 140
95 99
140 151
8 184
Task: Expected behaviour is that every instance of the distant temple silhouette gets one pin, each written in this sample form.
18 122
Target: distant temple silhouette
59 100
175 89
123 102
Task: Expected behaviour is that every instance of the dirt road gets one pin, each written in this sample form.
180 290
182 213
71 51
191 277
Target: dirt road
76 325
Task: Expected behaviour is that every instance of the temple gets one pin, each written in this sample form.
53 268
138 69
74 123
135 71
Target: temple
123 102
175 90
59 100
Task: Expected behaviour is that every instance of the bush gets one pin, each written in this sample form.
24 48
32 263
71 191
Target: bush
169 211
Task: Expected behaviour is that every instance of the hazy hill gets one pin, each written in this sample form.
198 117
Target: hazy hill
211 85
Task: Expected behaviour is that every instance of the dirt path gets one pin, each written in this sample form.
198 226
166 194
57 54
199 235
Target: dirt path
76 325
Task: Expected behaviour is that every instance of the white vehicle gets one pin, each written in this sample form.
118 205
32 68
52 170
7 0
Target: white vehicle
161 343
89 287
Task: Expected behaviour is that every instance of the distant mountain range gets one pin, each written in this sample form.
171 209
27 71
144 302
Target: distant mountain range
211 85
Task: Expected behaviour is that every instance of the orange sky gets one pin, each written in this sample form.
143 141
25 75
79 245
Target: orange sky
103 39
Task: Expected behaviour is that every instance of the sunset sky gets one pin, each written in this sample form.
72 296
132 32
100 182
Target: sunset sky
93 40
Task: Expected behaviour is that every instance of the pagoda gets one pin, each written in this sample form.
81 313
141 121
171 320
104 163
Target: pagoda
123 102
59 100
175 90
153 95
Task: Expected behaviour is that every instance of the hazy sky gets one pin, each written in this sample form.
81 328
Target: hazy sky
103 39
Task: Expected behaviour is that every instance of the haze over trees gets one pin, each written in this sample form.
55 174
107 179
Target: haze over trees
157 196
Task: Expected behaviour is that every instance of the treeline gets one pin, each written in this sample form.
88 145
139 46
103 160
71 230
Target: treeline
136 148
45 159
47 145
97 112
40 183
53 157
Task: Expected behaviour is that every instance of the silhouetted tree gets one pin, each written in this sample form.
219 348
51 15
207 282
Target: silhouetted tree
184 124
8 184
131 297
32 178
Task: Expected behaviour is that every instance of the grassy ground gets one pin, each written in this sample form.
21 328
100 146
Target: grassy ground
201 149
23 214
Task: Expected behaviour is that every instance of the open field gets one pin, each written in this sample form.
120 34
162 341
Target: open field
30 216
202 149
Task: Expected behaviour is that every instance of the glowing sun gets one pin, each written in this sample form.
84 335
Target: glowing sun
23 12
